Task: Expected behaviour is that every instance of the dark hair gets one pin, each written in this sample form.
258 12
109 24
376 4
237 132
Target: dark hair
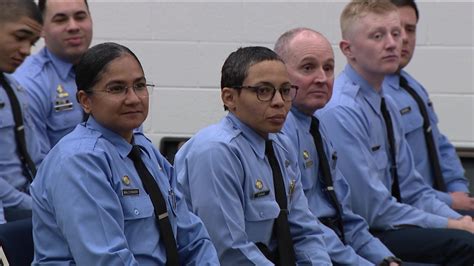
13 10
409 3
94 62
42 5
235 68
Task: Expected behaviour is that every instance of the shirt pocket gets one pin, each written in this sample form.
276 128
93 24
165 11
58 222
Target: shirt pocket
137 207
413 120
259 217
6 117
380 158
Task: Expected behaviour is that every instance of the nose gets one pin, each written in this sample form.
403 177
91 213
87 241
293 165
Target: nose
72 25
25 48
277 100
320 76
131 96
393 41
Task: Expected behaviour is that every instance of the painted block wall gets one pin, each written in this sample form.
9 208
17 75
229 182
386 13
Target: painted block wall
182 46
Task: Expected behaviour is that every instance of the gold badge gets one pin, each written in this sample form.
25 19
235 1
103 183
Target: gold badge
126 180
61 92
259 184
305 155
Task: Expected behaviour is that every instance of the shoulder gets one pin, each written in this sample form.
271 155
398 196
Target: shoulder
33 67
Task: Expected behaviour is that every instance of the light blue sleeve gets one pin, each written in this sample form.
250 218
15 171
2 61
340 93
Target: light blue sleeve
11 197
194 244
215 191
87 211
453 172
370 198
356 228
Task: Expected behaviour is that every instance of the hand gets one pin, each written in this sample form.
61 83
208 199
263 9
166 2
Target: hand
394 264
464 223
462 201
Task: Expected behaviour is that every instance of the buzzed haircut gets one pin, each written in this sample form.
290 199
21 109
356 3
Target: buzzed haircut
358 9
281 45
42 5
407 3
13 10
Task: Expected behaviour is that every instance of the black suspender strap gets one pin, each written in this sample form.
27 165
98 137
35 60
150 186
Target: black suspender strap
159 204
326 174
28 165
438 180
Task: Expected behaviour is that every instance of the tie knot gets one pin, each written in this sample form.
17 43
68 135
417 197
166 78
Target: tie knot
135 153
403 82
268 147
314 123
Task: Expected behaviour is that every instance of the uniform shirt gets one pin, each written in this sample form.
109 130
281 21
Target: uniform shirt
12 178
357 130
358 239
90 207
412 122
51 85
228 182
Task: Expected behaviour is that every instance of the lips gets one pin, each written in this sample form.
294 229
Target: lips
17 61
278 119
74 41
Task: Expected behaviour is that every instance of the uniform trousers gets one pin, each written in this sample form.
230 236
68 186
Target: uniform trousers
430 245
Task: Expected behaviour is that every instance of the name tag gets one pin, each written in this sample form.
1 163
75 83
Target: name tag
130 192
405 110
261 194
63 105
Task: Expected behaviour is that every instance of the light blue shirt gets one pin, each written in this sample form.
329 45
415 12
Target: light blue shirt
90 207
12 178
357 130
412 122
228 182
51 85
361 245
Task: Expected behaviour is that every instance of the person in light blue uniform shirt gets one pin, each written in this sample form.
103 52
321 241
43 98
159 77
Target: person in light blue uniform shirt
90 206
414 229
49 76
309 58
227 180
20 28
457 185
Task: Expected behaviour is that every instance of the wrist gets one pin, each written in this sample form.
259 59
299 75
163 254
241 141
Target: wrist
386 261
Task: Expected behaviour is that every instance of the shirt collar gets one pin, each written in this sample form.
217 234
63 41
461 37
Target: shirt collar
373 97
392 81
304 120
118 141
256 141
62 67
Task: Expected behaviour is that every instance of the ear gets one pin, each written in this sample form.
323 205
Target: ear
345 47
229 96
84 100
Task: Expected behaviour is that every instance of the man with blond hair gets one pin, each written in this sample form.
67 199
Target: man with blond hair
365 128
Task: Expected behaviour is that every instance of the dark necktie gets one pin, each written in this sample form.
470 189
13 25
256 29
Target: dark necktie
159 204
438 180
285 248
326 174
29 167
392 147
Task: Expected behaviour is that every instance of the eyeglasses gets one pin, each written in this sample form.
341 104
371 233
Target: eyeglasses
141 89
265 93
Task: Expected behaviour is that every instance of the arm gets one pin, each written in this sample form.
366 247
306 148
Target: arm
94 231
371 199
11 197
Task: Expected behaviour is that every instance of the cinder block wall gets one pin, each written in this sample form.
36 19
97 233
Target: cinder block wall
182 46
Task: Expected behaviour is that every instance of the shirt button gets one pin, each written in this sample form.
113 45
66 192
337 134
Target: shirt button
262 215
137 212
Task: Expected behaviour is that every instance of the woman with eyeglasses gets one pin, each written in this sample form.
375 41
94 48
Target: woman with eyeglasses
104 195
